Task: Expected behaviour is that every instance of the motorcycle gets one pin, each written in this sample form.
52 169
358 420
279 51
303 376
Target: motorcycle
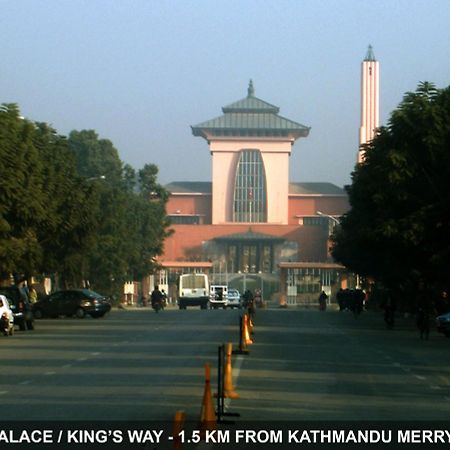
157 306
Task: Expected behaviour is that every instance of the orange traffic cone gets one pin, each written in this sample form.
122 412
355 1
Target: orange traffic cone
250 324
242 349
228 388
247 339
207 414
178 425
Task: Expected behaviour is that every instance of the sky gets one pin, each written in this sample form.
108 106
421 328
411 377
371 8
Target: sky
141 72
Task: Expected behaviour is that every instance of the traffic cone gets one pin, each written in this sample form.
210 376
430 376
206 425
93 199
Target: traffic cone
242 349
247 339
228 388
178 425
250 325
207 414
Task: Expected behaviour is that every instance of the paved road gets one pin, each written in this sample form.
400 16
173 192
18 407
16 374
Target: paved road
303 365
310 365
130 365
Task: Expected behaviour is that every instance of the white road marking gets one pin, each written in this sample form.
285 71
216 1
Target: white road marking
3 392
49 373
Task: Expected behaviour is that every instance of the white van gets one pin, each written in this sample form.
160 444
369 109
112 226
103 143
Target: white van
193 289
218 296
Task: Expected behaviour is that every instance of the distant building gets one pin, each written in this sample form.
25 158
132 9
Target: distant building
250 223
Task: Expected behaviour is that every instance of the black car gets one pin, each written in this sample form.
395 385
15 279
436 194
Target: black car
20 306
72 302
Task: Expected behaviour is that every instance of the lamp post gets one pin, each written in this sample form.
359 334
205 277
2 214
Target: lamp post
336 221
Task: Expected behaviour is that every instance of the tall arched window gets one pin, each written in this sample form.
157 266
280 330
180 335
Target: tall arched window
250 198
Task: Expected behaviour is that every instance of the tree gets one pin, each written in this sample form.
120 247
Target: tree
21 199
131 214
398 227
45 218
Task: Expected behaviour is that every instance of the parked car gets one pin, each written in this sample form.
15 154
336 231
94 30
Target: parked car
6 317
443 324
20 306
234 299
72 302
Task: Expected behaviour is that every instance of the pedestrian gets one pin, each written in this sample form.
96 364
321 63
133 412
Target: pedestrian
359 297
340 298
164 298
389 309
323 297
258 298
249 303
424 311
32 294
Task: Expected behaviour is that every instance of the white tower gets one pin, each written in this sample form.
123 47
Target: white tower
370 118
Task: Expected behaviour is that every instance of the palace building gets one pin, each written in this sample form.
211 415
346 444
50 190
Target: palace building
250 226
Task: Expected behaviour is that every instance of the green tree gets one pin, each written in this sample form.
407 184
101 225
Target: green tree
398 227
45 219
131 214
22 204
71 222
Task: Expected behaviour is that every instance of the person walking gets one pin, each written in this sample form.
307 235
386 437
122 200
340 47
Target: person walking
323 297
389 309
424 311
249 303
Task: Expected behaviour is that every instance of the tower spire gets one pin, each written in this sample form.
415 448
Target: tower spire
251 89
370 56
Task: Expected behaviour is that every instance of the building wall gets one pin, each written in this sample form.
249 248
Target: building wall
186 243
190 204
308 205
275 155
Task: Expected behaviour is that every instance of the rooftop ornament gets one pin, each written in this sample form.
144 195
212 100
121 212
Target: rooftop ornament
251 89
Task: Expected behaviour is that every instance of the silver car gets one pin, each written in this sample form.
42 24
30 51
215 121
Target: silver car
234 299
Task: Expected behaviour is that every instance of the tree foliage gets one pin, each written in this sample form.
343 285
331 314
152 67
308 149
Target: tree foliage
398 227
132 224
70 207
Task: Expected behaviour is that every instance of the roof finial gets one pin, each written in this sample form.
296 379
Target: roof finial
251 90
370 55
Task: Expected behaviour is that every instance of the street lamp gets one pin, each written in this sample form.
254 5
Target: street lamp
336 221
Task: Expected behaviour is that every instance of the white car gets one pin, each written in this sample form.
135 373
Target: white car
6 317
218 296
234 299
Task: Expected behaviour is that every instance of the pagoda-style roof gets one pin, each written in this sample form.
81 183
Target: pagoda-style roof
250 117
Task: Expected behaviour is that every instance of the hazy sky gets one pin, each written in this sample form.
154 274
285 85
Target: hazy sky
140 72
